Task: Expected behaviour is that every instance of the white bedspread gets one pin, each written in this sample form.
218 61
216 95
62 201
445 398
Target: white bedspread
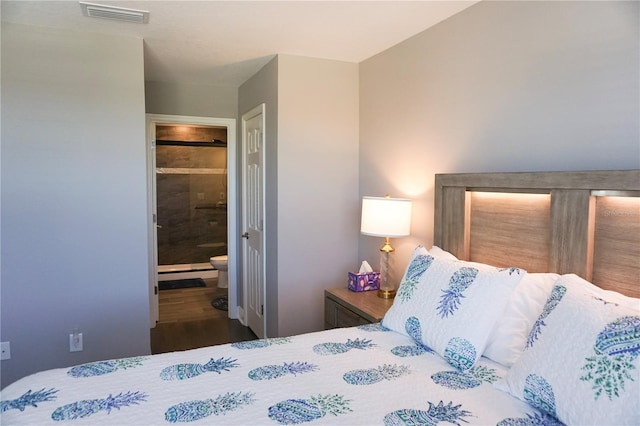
355 376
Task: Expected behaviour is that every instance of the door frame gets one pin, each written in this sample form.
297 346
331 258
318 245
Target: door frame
232 200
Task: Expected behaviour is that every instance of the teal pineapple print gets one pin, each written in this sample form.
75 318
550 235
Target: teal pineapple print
415 270
261 343
458 283
616 349
405 351
269 372
468 379
604 302
191 411
512 270
414 330
28 399
460 353
105 367
335 348
187 371
432 416
370 376
539 394
377 326
294 411
557 293
88 407
537 419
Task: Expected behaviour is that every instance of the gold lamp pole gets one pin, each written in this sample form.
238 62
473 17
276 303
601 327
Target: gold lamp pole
387 289
386 217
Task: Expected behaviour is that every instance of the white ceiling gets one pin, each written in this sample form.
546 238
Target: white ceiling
226 42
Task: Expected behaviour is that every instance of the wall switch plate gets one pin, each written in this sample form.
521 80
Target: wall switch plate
75 342
5 351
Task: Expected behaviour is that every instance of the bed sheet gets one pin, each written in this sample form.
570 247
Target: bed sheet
363 375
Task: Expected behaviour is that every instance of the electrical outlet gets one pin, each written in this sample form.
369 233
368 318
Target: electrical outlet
5 351
223 195
75 342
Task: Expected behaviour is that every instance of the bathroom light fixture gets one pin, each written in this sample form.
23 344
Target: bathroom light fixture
386 217
93 10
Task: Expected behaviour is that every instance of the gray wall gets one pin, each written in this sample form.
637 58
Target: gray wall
74 198
191 99
318 208
502 86
312 184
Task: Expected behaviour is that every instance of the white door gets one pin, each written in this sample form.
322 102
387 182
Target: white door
253 270
154 313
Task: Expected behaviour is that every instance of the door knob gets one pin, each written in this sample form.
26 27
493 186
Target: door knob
245 235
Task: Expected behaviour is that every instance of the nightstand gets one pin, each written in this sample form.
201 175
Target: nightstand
346 308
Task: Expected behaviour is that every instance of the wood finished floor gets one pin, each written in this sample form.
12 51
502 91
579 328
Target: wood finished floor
188 321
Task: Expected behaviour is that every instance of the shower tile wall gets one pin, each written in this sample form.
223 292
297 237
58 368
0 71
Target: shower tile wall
191 133
192 208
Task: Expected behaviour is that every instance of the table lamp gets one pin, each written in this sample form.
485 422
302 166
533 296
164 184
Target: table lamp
386 217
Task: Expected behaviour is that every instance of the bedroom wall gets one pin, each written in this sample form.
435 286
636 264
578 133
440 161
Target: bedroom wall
318 208
501 86
74 198
190 99
312 184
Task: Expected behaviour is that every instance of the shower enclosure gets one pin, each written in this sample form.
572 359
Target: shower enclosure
191 196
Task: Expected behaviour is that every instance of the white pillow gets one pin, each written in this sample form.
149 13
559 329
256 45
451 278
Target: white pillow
509 336
436 251
582 364
450 306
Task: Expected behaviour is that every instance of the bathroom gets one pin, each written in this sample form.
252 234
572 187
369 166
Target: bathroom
191 202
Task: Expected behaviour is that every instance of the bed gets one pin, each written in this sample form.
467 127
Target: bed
525 311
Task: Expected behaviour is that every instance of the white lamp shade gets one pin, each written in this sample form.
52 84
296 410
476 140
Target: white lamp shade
385 217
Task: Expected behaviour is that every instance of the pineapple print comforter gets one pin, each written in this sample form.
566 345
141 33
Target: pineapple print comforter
363 375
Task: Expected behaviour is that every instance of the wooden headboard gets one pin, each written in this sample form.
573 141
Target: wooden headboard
587 223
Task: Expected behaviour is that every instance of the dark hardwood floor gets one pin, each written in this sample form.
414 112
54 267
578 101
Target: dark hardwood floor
188 321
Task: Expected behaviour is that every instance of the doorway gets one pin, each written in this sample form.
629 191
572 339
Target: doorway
192 199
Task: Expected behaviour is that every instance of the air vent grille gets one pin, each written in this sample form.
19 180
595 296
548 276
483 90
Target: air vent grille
114 13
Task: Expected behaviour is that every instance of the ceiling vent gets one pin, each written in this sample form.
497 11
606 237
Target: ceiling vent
114 13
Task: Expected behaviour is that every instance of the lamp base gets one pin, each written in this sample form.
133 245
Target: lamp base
386 294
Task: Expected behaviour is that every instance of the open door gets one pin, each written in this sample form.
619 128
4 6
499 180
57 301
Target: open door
154 312
253 252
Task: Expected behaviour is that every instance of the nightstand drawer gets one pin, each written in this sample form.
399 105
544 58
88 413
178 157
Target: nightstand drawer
339 316
344 308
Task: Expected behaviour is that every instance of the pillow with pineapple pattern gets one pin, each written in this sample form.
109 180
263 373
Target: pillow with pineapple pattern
450 306
581 363
508 337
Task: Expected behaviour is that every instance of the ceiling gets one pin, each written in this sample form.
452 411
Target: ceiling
224 43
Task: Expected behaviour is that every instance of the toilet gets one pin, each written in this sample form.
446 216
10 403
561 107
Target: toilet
221 264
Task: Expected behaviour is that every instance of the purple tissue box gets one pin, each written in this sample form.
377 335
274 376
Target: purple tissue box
364 282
